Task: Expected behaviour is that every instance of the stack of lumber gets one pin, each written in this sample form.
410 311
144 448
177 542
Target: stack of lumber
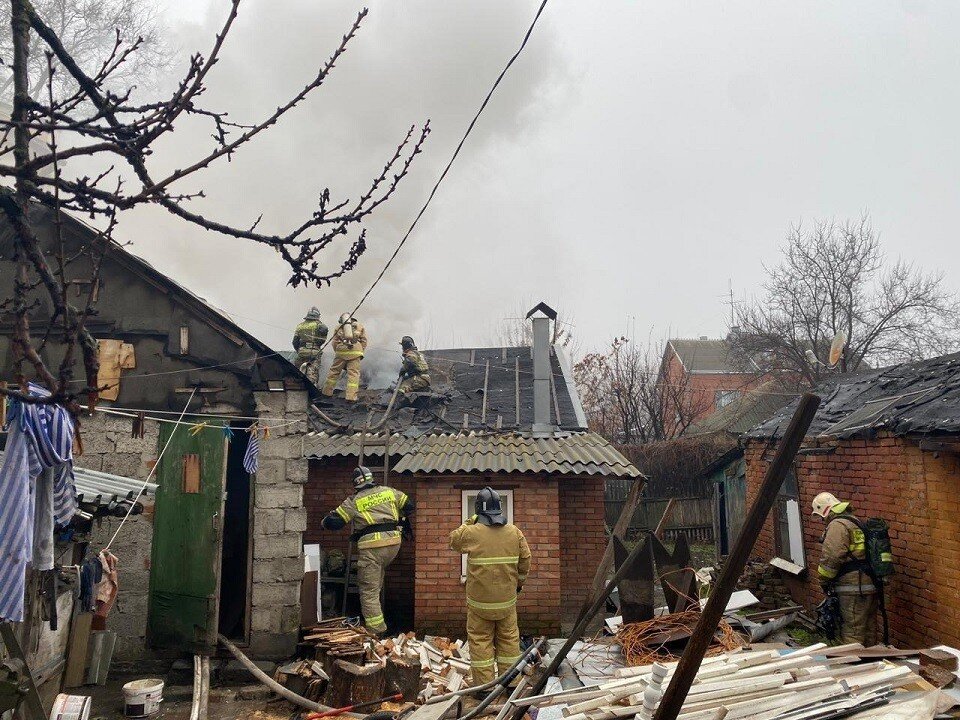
304 677
740 685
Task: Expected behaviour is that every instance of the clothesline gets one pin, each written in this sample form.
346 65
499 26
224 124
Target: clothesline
134 413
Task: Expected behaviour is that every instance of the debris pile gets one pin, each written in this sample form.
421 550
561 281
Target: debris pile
663 638
742 685
764 581
344 664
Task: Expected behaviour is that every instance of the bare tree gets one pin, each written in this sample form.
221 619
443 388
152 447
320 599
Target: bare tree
835 279
88 30
517 331
629 399
102 126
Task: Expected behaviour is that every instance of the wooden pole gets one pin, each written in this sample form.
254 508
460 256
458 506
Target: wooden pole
619 531
689 664
598 602
665 520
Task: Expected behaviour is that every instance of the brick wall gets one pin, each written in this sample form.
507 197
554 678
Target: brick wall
916 492
582 539
425 580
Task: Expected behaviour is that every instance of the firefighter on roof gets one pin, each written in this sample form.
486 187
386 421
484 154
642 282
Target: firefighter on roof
308 341
414 374
498 560
378 513
349 343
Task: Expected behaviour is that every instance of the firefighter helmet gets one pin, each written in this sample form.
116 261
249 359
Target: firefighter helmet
407 343
824 503
488 508
312 314
362 477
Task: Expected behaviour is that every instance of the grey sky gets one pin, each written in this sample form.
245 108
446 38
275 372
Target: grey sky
641 155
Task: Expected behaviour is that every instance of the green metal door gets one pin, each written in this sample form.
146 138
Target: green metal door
187 539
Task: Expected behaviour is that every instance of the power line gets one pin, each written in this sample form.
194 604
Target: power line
446 170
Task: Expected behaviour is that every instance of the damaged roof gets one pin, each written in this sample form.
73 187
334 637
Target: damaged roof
919 397
746 412
471 389
581 453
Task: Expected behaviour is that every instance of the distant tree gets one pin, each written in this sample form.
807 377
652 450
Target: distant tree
89 29
517 331
628 399
835 279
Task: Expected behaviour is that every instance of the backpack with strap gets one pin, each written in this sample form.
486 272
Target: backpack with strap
876 545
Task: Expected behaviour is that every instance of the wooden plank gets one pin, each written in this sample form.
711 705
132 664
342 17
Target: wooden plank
74 674
436 711
191 473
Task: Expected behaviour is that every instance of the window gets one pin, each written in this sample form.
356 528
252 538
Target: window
788 531
468 499
722 398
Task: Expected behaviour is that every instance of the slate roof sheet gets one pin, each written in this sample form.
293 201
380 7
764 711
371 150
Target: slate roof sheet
581 453
919 397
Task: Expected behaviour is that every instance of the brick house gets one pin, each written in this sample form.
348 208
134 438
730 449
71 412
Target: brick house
889 441
509 418
708 374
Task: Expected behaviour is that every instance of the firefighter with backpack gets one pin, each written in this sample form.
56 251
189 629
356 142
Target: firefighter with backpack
855 558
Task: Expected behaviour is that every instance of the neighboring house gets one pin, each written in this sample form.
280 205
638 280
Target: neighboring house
888 441
221 549
702 471
706 374
509 418
726 474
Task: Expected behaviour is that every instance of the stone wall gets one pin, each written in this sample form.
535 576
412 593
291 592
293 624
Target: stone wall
279 520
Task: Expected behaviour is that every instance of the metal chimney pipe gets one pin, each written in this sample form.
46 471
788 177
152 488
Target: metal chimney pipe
541 375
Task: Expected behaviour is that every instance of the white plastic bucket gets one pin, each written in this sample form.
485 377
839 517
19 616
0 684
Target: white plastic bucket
70 707
142 697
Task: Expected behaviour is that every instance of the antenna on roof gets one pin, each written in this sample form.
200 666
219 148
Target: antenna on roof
836 347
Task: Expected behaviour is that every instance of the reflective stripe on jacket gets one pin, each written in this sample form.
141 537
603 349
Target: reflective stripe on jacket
347 350
372 506
842 542
498 560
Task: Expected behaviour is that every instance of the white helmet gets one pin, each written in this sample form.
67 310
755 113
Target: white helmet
824 503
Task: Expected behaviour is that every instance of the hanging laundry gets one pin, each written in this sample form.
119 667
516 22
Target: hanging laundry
251 458
107 589
115 356
39 437
91 574
139 429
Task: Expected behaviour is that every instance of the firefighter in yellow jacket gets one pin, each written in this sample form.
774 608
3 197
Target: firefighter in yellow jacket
378 513
349 344
842 570
414 373
498 560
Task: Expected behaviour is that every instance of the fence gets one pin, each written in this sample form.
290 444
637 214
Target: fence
692 516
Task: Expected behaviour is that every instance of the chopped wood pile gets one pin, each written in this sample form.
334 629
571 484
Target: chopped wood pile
741 685
344 665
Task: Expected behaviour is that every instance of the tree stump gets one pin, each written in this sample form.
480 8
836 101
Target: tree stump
351 684
402 676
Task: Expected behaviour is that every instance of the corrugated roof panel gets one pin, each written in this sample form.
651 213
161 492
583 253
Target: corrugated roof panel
569 454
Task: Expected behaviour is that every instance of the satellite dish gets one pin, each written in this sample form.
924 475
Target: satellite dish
836 347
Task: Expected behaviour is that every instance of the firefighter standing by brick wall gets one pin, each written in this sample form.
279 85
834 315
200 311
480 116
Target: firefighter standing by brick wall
498 560
308 340
377 512
842 570
349 344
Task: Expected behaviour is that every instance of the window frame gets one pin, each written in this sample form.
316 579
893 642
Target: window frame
788 498
733 396
466 512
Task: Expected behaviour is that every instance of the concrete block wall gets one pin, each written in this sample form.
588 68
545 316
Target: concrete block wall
916 492
108 447
279 520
